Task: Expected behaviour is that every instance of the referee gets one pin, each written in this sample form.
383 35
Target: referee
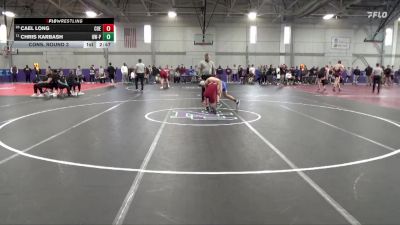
207 69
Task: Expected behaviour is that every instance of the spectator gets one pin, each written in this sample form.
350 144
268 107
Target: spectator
92 73
357 74
125 74
220 72
228 72
368 73
111 73
234 73
388 73
102 75
79 74
27 72
348 74
14 73
72 81
155 72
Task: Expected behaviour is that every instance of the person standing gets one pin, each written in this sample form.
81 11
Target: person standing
228 72
182 73
92 73
14 73
368 73
377 76
234 73
139 71
206 69
155 72
111 73
102 75
125 74
348 74
357 74
220 72
79 74
27 72
388 78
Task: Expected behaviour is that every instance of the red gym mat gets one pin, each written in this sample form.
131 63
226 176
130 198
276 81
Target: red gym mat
26 89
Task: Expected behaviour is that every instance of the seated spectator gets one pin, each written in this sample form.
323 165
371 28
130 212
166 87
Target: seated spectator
72 81
48 83
102 75
62 83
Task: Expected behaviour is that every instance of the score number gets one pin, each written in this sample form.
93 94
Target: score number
108 32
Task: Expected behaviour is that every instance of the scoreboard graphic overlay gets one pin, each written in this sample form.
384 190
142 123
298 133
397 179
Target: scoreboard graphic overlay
64 32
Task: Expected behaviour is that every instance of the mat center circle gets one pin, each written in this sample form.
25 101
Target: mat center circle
201 117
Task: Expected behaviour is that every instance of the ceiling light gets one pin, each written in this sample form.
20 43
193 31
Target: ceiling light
9 14
328 16
171 14
252 15
91 14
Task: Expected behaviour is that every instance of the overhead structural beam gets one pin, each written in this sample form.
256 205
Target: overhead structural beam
292 4
60 8
146 8
119 10
343 9
233 2
84 4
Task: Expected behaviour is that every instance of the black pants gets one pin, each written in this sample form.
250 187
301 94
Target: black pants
177 79
91 77
111 76
74 85
377 80
139 76
61 86
27 78
40 86
262 79
14 77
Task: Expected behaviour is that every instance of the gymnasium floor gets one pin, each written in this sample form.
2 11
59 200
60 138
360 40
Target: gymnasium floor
114 156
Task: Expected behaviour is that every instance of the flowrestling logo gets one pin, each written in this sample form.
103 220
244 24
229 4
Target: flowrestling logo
202 115
375 14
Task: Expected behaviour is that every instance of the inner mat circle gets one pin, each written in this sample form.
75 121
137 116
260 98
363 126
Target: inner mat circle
198 117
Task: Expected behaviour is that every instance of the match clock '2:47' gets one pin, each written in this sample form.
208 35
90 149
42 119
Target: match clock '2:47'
108 32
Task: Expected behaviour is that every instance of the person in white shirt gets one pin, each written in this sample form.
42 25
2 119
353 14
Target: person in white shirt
78 73
377 76
234 73
124 72
206 69
139 71
102 75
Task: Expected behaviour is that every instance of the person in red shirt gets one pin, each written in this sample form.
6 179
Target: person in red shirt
211 93
164 76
